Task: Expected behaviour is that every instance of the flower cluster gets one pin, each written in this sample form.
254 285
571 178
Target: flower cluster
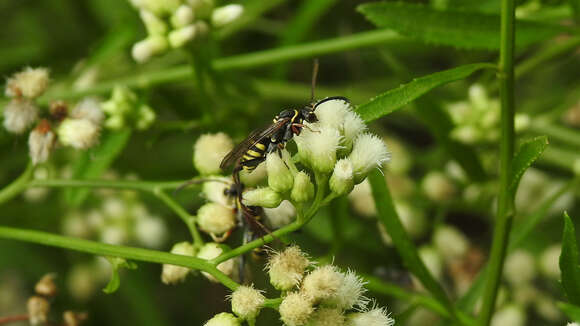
125 109
320 296
175 23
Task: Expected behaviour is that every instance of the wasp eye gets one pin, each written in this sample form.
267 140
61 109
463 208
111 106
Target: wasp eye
312 117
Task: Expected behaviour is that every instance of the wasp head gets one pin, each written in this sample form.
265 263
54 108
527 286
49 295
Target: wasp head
308 115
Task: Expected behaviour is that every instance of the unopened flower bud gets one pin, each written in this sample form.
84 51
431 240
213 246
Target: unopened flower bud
78 133
295 309
512 315
223 319
265 197
438 187
145 117
182 17
322 283
280 178
158 7
154 24
150 231
373 317
253 178
303 189
286 268
212 250
88 109
215 219
173 274
19 115
153 45
41 142
519 267
38 309
341 181
209 150
281 215
179 37
29 83
202 8
247 302
317 148
215 191
224 15
46 286
368 152
327 316
450 242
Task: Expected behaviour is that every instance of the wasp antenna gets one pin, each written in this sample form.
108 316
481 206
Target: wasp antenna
314 75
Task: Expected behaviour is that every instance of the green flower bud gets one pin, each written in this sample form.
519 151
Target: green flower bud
280 178
182 17
265 197
153 45
179 37
303 189
223 319
153 24
341 181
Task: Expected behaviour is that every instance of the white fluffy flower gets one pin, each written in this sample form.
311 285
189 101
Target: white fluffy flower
286 268
153 45
438 187
89 109
19 115
30 83
41 142
295 309
322 283
368 152
281 215
247 302
519 267
373 317
209 150
317 147
332 113
212 250
214 191
150 231
350 293
341 181
450 242
215 219
78 133
173 274
353 126
224 15
223 319
327 317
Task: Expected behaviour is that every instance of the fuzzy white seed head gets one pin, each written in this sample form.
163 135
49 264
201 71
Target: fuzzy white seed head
350 293
215 219
265 197
29 83
223 319
327 317
172 274
182 17
19 115
212 250
88 109
282 215
303 189
41 142
214 191
373 317
438 187
549 261
153 24
341 181
224 15
519 268
512 315
209 150
450 242
354 125
38 310
322 283
368 152
150 231
286 268
295 309
317 147
253 178
179 37
78 133
247 302
145 49
280 177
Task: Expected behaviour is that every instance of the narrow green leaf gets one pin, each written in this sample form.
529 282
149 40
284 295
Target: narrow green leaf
401 240
398 97
456 28
572 311
115 281
93 163
526 155
569 267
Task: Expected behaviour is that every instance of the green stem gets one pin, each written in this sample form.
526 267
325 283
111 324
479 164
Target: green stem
183 214
505 211
102 249
17 186
273 303
147 186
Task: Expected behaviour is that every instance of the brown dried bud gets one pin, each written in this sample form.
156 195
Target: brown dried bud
46 286
38 309
71 318
58 110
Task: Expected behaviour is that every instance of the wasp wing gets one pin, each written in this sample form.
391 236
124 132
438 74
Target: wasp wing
250 141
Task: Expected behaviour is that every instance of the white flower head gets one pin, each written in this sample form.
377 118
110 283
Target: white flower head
361 200
179 37
224 15
332 113
280 177
512 315
286 268
88 109
450 242
281 215
212 250
214 191
154 24
182 17
41 142
353 126
223 319
209 150
29 83
172 274
549 261
322 283
303 189
327 317
150 231
438 187
78 133
38 310
145 49
19 115
350 293
317 147
368 152
374 317
519 267
215 219
341 181
247 302
295 309
265 197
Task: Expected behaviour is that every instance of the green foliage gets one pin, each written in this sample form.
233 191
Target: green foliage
572 311
569 262
454 28
116 265
528 153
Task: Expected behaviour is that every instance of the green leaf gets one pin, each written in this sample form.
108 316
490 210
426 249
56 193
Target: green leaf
569 262
572 311
528 153
401 240
92 164
399 97
115 281
461 29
